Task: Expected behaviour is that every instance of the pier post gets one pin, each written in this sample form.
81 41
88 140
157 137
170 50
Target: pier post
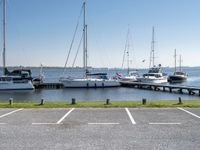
10 101
144 101
163 89
42 102
181 90
190 92
179 100
107 101
73 101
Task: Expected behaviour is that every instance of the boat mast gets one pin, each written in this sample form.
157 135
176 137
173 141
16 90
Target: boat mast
153 42
152 54
4 36
180 60
175 60
127 51
84 42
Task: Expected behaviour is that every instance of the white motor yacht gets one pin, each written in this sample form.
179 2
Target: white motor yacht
154 75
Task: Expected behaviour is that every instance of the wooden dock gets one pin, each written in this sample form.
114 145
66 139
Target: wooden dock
49 86
181 89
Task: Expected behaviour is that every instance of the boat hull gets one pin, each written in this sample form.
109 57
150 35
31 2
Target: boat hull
6 86
176 79
153 80
89 83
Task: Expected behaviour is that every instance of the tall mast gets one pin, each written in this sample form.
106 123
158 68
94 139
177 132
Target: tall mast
152 47
175 60
127 50
4 36
180 60
152 55
84 42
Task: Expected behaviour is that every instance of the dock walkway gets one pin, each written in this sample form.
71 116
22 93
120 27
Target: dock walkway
181 89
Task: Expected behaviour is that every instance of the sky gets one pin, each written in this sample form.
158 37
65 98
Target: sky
41 31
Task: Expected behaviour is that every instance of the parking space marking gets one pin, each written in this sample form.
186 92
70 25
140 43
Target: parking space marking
2 123
130 116
109 123
45 123
189 112
11 113
164 123
61 119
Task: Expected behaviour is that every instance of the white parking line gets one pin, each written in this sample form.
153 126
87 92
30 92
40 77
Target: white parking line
130 116
61 119
10 113
2 123
189 112
164 123
109 123
45 123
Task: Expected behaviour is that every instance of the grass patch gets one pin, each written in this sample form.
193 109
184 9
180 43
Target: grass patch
102 104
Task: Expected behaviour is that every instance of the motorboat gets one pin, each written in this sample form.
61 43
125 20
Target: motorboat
154 75
177 76
17 79
132 77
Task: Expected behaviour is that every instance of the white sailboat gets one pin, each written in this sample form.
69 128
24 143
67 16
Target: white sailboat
131 75
18 79
89 80
154 74
177 76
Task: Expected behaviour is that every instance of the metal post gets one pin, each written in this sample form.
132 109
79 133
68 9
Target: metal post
107 101
144 101
42 102
73 101
179 100
10 101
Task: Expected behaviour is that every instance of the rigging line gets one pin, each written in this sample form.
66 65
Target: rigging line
77 50
125 48
72 40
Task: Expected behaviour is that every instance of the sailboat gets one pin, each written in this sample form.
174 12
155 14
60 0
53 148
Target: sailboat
89 80
178 76
131 75
155 74
18 79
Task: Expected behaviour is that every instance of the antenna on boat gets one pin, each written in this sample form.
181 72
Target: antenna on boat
4 36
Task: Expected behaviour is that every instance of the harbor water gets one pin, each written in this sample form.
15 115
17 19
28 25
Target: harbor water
94 94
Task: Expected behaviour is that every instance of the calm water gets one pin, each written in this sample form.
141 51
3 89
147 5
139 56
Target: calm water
53 74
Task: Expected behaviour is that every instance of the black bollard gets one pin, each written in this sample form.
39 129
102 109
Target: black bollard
73 101
107 101
42 102
144 101
179 100
10 101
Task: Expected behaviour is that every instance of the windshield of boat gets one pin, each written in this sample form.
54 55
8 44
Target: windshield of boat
154 70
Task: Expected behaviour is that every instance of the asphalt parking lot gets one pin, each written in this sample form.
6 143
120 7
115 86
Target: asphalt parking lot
100 128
